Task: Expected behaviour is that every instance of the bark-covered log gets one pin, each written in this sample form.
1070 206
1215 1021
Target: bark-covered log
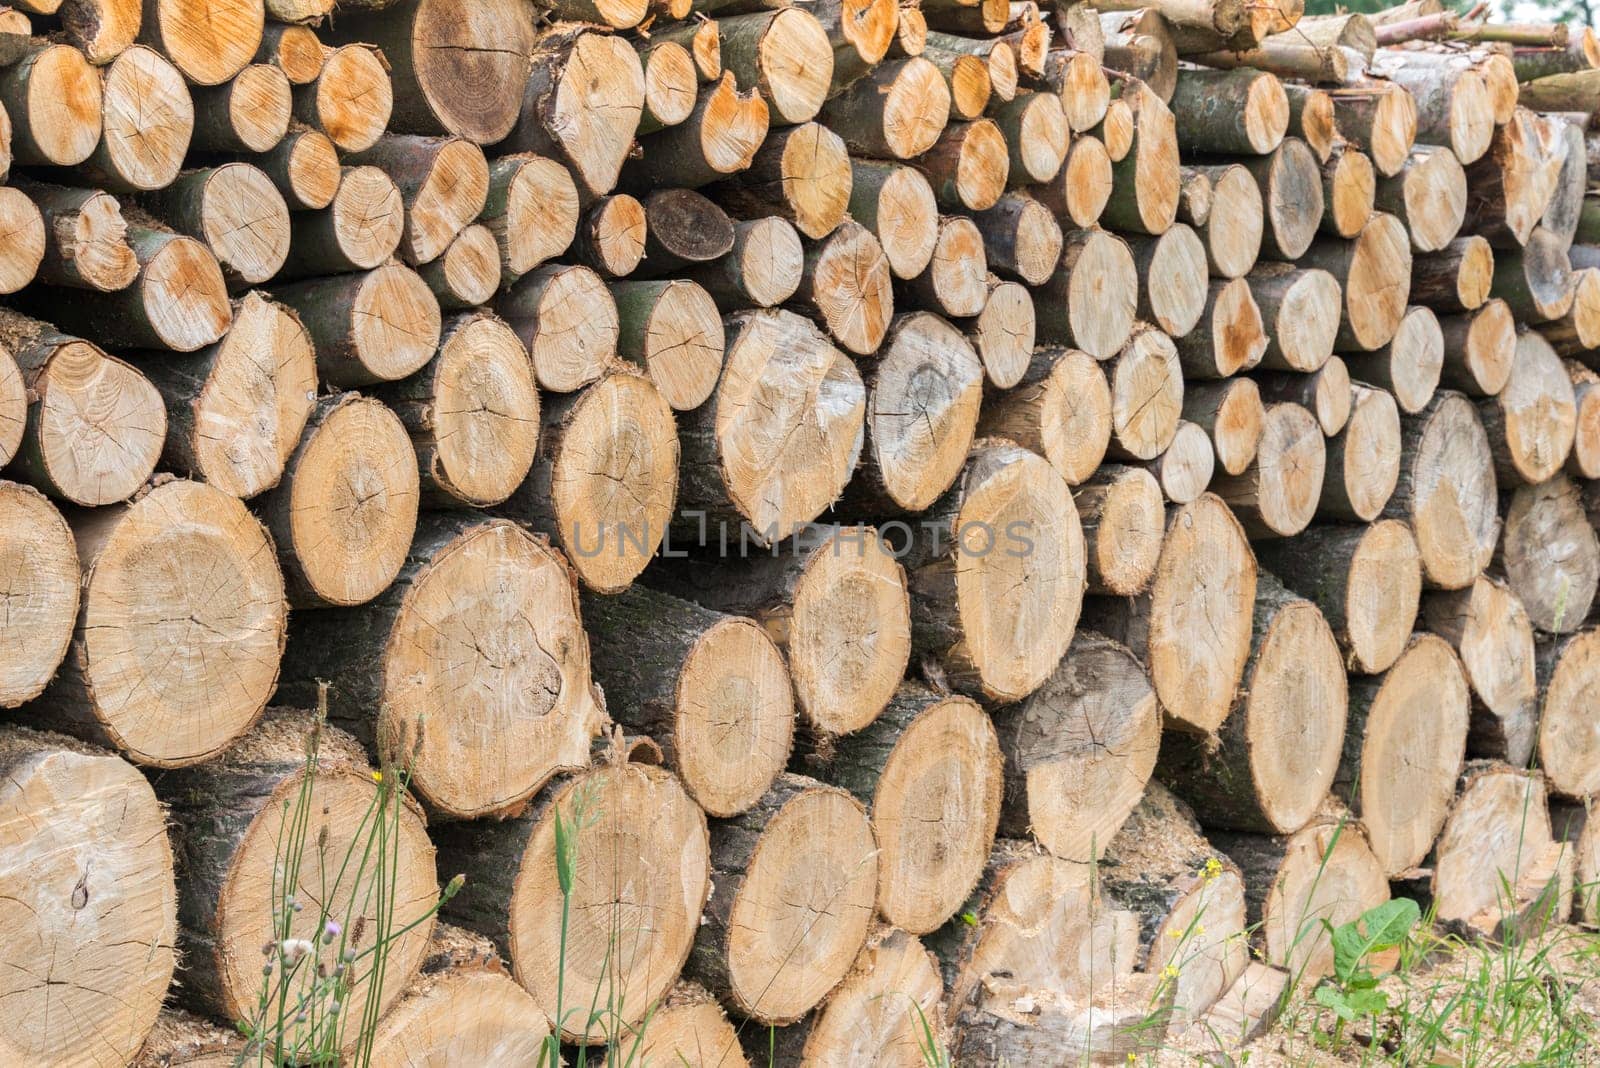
250 113
1139 44
955 281
1456 278
1429 195
846 284
211 50
293 48
1454 109
1374 272
1145 181
1084 186
1036 135
531 207
1232 415
468 273
85 238
1446 490
1512 184
39 577
568 320
1577 332
968 165
611 234
443 183
763 268
351 100
1490 630
785 54
1239 111
719 138
670 82
1300 314
1584 462
896 111
1549 554
373 327
1349 185
1230 336
1185 468
1021 238
1172 273
801 173
1234 220
55 101
1121 509
896 203
671 331
359 229
239 214
1090 300
1276 496
1078 76
23 225
1479 349
1410 365
1060 408
1379 120
1532 421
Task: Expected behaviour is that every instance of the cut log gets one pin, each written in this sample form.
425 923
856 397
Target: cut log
568 321
1325 393
781 436
23 226
670 82
531 207
1299 313
720 137
1146 396
1290 181
968 165
236 409
1003 333
846 284
897 111
701 38
896 203
1349 185
996 572
1080 80
1311 118
1192 628
1565 209
923 392
835 602
1185 468
462 68
1489 628
671 331
468 273
689 1028
305 168
373 327
240 215
801 173
1238 111
762 269
1060 407
862 32
682 228
207 50
359 229
477 599
1195 196
1549 555
1374 272
1379 120
1232 415
611 235
1277 494
149 117
102 29
250 113
351 100
1410 365
994 76
1584 462
1456 278
1274 758
955 281
1568 671
1535 281
1172 273
1080 750
294 49
1036 135
1578 331
1144 195
796 878
443 182
55 103
1082 189
1454 109
1121 511
1230 336
1139 44
929 770
1511 185
245 864
1532 421
85 239
1363 459
711 689
784 54
1233 225
1446 490
1479 349
1021 238
1429 195
39 569
94 424
117 871
1089 302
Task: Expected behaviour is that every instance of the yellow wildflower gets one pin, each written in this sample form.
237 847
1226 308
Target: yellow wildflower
377 776
1170 971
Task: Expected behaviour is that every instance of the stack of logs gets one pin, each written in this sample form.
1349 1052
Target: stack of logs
993 510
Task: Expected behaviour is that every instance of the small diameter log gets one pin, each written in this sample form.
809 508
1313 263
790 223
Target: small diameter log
1036 135
1060 408
148 120
1274 759
477 599
294 49
1535 281
1004 332
802 174
251 113
233 819
117 875
967 75
94 424
1568 672
683 228
1231 413
670 82
1578 331
1410 365
1277 494
784 54
846 285
923 392
1172 279
929 770
374 327
605 478
1446 490
1489 628
1311 119
1512 184
1325 393
897 204
762 269
1195 196
1325 872
1584 462
345 511
611 235
180 629
85 235
1145 182
1429 195
1363 459
240 215
711 689
1139 45
443 183
1021 238
1299 313
1122 510
689 1027
1479 349
23 225
461 69
568 321
1080 750
532 209
208 51
1349 185
968 165
897 111
1003 544
719 138
1146 396
472 413
1378 120
1192 628
1531 423
776 466
1565 211
1456 278
305 168
1239 111
1080 80
1290 181
955 281
1234 221
862 32
1497 871
468 273
671 331
798 870
702 40
359 229
1549 554
1079 193
1184 470
236 409
1374 272
39 577
1230 336
351 99
55 103
102 29
1089 302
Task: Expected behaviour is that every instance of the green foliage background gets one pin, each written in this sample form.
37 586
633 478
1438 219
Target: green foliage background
1578 12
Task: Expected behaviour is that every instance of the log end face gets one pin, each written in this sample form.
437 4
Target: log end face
1382 592
38 592
209 40
149 119
260 106
485 413
915 109
396 322
734 720
246 223
924 409
93 462
23 227
471 63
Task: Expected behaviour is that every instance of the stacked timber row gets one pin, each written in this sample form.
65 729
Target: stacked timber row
980 523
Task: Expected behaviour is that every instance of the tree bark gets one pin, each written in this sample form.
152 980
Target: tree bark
1021 238
239 214
1238 111
249 113
802 174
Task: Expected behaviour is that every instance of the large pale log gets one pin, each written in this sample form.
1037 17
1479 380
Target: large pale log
149 117
1299 312
1512 184
94 425
102 29
235 410
1549 555
1240 111
1232 415
1233 222
1363 459
1532 421
1349 185
1192 628
39 566
1144 196
1454 108
862 32
1325 392
897 204
1447 490
611 234
1277 495
638 829
1083 188
1567 671
784 54
359 230
968 165
1146 396
568 321
1090 300
896 111
801 173
373 327
1409 366
1172 279
1060 408
1230 336
239 214
1036 136
1429 195
1374 272
250 113
1456 278
1490 630
1479 349
443 183
208 50
91 853
1379 120
85 238
956 279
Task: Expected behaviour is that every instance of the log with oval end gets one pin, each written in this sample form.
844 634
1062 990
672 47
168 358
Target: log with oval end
611 235
796 878
1121 509
39 602
1060 408
847 285
374 327
1578 331
23 226
1374 272
1276 496
1172 272
1184 469
1569 674
763 268
720 137
1532 421
249 113
1312 120
1489 628
240 215
568 320
1275 755
477 599
1349 185
1146 396
1081 81
671 331
1584 462
955 279
682 228
1145 182
91 856
862 32
785 54
896 203
211 47
359 229
468 273
1536 280
235 410
670 81
294 49
1446 490
1290 181
1234 220
897 111
1083 187
689 1027
103 29
1299 312
1230 336
801 173
1453 106
1363 458
56 105
1379 120
1456 278
1021 238
532 209
1231 413
1036 134
1549 554
443 183
305 168
1089 302
94 425
967 165
351 99
1239 111
85 236
1410 365
1003 333
1429 195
